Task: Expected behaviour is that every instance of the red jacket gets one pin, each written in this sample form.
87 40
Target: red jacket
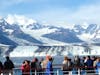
25 69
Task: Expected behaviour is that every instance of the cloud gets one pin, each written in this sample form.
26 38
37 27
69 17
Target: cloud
86 13
6 3
55 14
89 13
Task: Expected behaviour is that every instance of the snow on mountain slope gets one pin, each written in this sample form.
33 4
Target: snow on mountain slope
29 26
9 31
88 33
1 20
86 37
20 41
85 25
25 31
40 32
14 34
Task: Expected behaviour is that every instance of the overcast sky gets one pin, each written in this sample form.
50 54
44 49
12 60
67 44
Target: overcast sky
54 11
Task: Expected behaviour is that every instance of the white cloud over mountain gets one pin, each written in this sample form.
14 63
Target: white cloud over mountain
89 13
19 19
53 13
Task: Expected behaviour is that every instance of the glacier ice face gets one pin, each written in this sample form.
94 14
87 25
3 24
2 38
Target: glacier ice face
29 51
23 51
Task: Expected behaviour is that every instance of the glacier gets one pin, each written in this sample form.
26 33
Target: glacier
32 38
64 50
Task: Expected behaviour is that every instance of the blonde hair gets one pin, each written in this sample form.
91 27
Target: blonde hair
65 58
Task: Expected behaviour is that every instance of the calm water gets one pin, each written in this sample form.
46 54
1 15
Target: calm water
19 60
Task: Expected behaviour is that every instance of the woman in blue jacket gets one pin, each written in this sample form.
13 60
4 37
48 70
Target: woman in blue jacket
98 67
49 68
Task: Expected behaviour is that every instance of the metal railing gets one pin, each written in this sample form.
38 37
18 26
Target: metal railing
56 71
6 72
17 71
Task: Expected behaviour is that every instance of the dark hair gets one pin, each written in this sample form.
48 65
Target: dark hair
88 57
36 59
7 57
51 59
28 61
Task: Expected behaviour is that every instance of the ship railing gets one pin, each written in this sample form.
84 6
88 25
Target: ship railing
56 71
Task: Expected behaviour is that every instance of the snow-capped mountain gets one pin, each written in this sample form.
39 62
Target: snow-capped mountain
12 33
90 33
21 31
23 22
26 31
20 20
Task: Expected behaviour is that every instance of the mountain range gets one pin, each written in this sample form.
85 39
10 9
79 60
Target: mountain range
21 31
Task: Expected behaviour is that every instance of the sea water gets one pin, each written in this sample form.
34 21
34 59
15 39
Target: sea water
19 60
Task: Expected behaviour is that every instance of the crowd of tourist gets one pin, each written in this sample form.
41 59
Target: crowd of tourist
42 66
45 66
91 65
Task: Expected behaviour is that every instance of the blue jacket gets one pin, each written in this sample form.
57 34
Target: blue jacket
89 63
98 67
49 68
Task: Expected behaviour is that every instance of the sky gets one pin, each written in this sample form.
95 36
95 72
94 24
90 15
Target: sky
58 12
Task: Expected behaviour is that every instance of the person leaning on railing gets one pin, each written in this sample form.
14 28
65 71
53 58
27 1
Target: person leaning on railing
98 66
25 67
1 67
89 64
35 67
76 64
8 66
49 68
66 65
44 63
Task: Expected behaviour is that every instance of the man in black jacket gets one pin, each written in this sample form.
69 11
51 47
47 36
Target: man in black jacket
8 65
